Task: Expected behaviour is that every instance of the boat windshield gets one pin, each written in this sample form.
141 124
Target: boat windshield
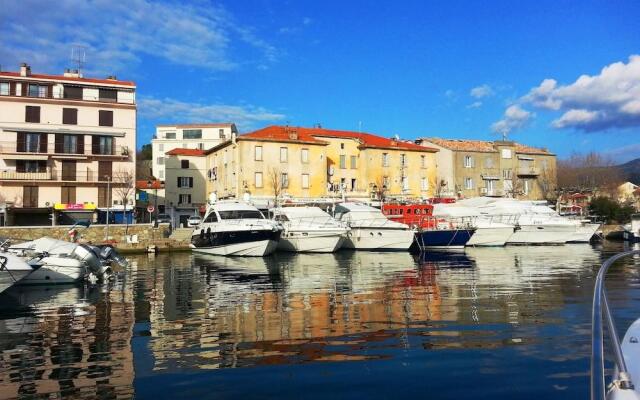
241 214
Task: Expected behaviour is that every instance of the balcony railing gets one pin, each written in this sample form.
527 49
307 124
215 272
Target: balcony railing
57 175
528 171
65 150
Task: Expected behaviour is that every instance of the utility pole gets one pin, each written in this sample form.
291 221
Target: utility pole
106 237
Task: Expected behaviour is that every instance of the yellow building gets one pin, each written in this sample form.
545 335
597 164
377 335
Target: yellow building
316 162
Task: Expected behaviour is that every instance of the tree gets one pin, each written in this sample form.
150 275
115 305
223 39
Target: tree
611 210
547 183
440 187
145 152
275 179
124 187
590 172
379 188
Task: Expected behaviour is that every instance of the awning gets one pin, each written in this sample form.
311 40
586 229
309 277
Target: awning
491 178
74 157
526 158
24 156
75 207
62 131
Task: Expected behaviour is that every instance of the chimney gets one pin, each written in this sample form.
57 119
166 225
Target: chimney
293 134
112 78
72 73
25 70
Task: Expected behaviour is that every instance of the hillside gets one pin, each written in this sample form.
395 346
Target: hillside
631 170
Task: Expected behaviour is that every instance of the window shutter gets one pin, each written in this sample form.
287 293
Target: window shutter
20 166
80 144
42 166
105 118
95 144
12 89
21 142
59 143
179 182
190 181
43 142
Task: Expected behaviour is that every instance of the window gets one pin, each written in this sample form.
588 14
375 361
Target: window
102 145
305 181
385 159
184 199
31 142
30 196
211 218
468 183
184 164
341 146
353 184
403 160
37 91
304 153
105 118
488 162
423 162
506 173
32 114
105 170
160 160
70 116
72 92
506 153
241 214
69 144
31 166
170 135
405 183
221 134
343 161
185 182
192 134
285 180
102 196
161 174
424 184
354 161
385 182
468 162
258 153
160 146
68 194
258 179
490 185
200 146
108 95
526 186
284 154
4 88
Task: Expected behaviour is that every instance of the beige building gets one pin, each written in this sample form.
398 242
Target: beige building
184 188
67 145
315 162
470 168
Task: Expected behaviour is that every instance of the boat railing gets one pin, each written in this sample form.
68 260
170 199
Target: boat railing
318 222
380 222
600 311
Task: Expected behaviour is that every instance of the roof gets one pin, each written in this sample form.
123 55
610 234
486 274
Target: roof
482 146
315 135
156 184
68 78
186 152
205 125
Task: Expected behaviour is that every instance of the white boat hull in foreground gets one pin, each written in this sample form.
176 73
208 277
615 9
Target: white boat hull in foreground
583 233
542 234
311 242
9 279
496 236
56 270
379 239
252 249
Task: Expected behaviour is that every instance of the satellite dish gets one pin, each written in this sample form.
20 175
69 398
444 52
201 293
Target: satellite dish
213 197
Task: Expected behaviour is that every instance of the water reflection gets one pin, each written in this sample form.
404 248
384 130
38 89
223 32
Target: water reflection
479 313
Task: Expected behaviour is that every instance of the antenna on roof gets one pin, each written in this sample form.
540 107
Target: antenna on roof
79 56
359 126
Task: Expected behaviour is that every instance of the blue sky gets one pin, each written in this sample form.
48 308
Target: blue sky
458 69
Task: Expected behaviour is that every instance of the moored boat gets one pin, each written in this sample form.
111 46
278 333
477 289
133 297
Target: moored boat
13 269
309 229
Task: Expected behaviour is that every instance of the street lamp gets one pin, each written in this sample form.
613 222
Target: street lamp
155 201
106 237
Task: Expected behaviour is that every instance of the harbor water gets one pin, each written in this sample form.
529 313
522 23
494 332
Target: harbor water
499 323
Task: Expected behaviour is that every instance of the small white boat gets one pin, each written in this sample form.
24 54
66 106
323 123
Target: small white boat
309 229
234 228
372 230
489 231
13 269
625 381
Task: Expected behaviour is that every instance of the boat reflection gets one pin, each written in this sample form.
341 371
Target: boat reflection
64 341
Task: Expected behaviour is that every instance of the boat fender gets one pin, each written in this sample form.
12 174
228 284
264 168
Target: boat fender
201 233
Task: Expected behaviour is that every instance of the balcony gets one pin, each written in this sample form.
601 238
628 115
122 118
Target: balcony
53 149
528 171
56 175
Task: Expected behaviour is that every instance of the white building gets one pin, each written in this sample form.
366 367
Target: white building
67 143
186 185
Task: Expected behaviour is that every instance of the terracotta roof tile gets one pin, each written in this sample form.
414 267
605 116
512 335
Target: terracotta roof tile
68 78
186 152
155 184
194 125
482 146
521 148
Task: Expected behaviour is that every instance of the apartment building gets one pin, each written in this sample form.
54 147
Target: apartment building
471 168
316 162
185 187
67 146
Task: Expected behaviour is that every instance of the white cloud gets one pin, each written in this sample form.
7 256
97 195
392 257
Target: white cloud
624 153
514 118
171 110
475 104
610 99
481 91
116 34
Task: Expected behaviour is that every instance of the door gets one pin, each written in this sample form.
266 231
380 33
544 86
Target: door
68 170
102 196
30 197
183 221
105 169
68 195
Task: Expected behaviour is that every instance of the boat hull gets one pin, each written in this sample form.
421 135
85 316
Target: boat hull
583 233
444 239
9 279
52 274
256 243
311 242
494 236
542 234
379 239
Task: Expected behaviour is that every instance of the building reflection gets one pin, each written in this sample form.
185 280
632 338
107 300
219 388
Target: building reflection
63 341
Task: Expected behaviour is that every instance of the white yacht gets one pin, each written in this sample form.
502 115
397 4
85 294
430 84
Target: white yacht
13 269
372 230
309 229
234 228
489 231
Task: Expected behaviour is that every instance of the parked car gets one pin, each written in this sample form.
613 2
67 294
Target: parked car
163 219
194 221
